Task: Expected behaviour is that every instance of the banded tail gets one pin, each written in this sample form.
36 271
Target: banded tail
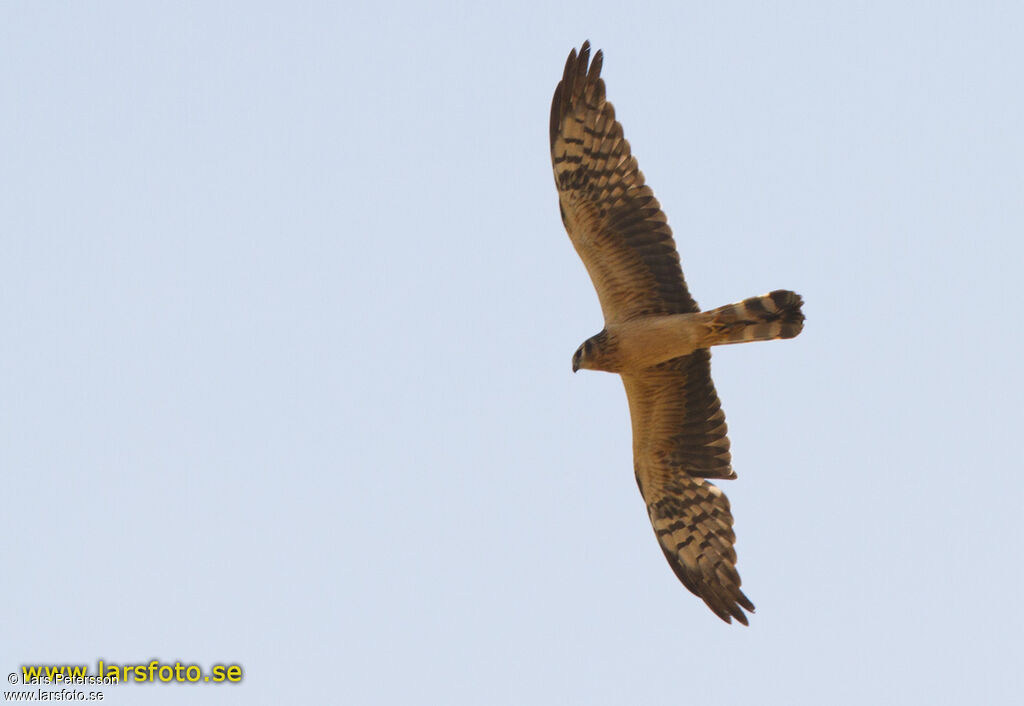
769 316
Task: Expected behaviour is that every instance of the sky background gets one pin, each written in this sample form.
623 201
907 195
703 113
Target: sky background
288 313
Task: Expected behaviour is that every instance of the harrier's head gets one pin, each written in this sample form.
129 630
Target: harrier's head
580 356
592 353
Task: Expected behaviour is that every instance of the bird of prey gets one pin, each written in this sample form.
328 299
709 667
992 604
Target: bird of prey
655 336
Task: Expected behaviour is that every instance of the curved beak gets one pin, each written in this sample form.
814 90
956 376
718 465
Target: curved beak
575 366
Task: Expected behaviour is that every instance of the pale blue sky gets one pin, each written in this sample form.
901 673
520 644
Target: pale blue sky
288 314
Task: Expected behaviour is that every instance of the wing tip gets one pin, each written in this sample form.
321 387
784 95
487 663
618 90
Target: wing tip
580 71
726 601
728 606
693 527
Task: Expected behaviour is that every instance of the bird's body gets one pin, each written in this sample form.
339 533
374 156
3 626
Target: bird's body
631 346
638 344
655 336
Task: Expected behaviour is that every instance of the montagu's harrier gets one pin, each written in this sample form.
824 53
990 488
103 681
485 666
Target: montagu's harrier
655 336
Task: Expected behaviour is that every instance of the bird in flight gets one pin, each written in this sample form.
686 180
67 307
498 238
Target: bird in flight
655 336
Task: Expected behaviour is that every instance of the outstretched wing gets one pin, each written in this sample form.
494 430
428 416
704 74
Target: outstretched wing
679 440
613 219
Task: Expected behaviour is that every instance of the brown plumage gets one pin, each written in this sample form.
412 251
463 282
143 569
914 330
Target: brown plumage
655 335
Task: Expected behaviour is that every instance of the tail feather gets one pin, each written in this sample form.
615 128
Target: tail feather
764 318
